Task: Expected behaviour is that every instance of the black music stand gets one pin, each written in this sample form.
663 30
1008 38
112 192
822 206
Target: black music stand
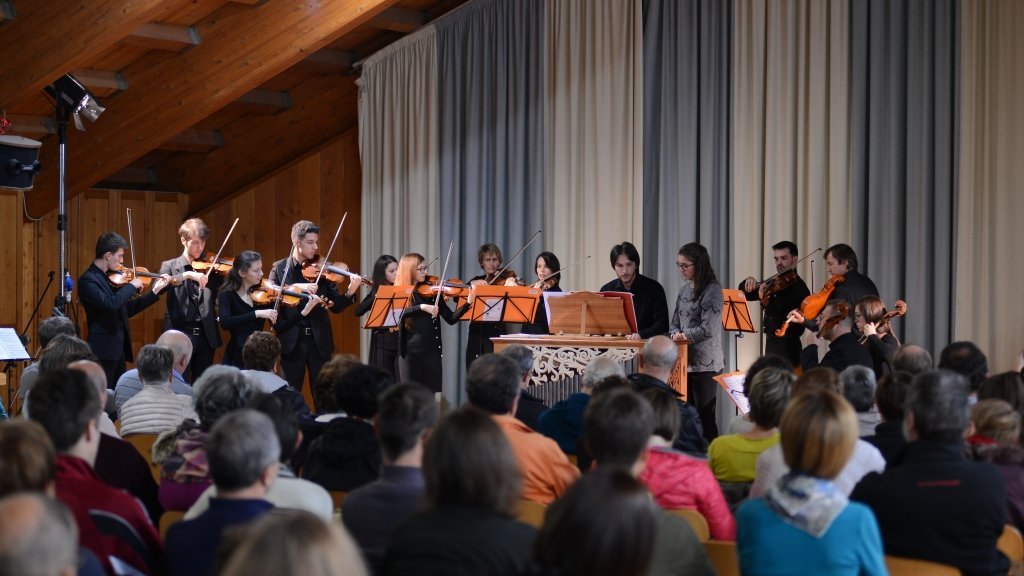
389 302
736 318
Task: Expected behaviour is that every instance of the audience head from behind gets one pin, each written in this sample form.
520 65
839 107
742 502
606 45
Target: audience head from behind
766 361
55 326
65 404
469 463
936 407
859 387
406 414
27 458
818 434
966 359
659 357
912 359
665 413
180 345
1008 386
613 538
63 350
261 352
609 383
891 395
599 369
996 421
243 454
154 364
617 426
38 537
492 384
769 394
815 379
294 542
94 372
523 357
356 391
286 423
220 389
326 381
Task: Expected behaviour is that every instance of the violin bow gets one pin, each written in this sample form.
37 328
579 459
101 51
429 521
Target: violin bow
791 267
447 259
131 242
513 258
566 268
323 261
284 280
222 245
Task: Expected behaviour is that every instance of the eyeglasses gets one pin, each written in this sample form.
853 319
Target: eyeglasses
683 266
421 268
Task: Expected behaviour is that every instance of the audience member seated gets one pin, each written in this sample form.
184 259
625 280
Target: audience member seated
347 455
492 385
112 524
732 457
181 453
406 414
130 384
243 455
1008 386
60 352
859 390
739 425
261 356
771 465
931 502
619 424
530 407
995 438
119 463
677 480
27 464
655 365
48 330
966 359
37 537
287 491
155 409
583 538
843 348
473 488
313 425
912 359
890 396
294 542
563 422
584 461
804 524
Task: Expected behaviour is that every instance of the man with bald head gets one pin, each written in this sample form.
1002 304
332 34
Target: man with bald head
130 384
38 536
657 359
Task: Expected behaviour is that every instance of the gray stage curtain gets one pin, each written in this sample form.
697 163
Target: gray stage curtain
491 71
904 117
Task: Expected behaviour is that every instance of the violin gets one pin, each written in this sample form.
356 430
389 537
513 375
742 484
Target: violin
450 288
334 272
120 276
777 284
545 284
266 293
899 309
502 276
842 312
210 261
815 303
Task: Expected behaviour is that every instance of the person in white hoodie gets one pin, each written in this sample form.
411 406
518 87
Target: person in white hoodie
156 408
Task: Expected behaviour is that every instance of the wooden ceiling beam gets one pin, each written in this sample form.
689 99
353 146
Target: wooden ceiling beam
199 141
166 37
399 19
23 124
48 38
101 79
328 60
263 102
258 147
242 49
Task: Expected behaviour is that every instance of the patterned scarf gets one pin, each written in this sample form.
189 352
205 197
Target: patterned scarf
807 503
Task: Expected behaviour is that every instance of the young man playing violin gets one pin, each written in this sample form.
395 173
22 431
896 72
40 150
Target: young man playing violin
190 300
108 308
778 296
836 322
309 343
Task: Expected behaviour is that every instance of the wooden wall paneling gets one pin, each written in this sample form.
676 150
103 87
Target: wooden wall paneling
164 216
340 196
94 214
9 252
141 324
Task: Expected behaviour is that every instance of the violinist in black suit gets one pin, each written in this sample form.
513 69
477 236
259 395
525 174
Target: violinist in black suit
786 292
108 308
841 259
190 300
843 349
309 343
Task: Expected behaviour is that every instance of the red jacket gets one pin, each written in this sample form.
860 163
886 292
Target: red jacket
680 481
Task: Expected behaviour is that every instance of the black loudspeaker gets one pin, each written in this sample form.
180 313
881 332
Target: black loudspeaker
19 162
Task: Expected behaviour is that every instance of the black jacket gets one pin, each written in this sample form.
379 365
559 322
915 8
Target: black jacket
317 319
107 311
649 303
345 457
691 432
842 352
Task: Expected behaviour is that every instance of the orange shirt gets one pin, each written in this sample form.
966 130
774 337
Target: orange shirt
546 470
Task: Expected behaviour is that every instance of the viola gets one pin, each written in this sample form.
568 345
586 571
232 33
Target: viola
841 312
208 261
815 303
120 276
333 272
266 293
777 284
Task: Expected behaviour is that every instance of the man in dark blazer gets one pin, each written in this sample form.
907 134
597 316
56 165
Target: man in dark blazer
843 349
649 300
191 299
307 340
107 309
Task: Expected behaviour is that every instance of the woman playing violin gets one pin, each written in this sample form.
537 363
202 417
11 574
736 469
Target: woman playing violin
383 341
420 331
546 265
877 335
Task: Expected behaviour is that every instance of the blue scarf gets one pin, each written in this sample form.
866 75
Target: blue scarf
807 503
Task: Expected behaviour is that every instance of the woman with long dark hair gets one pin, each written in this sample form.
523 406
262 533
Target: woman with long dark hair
419 339
383 341
698 319
239 315
546 266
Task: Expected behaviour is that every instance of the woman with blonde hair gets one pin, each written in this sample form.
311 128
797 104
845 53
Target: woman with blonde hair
995 438
805 525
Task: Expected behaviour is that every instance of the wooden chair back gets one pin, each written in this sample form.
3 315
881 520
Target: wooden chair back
532 513
912 567
1012 544
169 517
697 521
144 444
337 496
723 557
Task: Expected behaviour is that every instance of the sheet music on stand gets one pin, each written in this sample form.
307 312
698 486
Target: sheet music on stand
733 385
11 347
